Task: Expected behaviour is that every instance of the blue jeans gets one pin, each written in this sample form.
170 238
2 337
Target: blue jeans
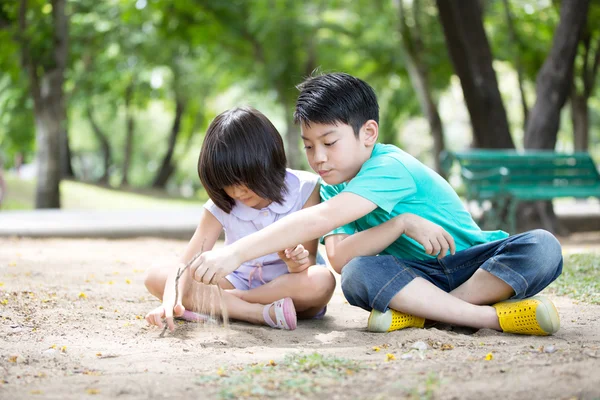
528 262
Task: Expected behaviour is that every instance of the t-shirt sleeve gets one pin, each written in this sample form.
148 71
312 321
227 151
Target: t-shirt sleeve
219 214
327 192
384 181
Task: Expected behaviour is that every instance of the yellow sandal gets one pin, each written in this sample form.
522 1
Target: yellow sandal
533 316
392 320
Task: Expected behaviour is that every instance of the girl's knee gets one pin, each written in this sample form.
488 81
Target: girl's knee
155 281
321 281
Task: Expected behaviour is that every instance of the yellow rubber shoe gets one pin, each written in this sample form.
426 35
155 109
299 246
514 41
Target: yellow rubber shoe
392 320
533 316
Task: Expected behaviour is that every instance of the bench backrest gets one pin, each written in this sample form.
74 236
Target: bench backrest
489 171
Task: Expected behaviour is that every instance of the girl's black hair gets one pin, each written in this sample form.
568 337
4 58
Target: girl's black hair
242 147
336 97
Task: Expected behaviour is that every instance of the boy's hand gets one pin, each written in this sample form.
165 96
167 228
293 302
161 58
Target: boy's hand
297 258
432 237
210 267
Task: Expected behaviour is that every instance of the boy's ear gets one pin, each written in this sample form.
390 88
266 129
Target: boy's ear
371 131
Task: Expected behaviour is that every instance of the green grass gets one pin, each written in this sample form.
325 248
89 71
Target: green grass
580 279
77 195
296 376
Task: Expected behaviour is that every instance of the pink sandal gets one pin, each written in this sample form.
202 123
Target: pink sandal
285 314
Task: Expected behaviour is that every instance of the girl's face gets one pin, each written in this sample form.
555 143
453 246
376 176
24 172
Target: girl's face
246 196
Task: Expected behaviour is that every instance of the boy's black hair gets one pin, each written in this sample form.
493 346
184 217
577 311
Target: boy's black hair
242 147
336 97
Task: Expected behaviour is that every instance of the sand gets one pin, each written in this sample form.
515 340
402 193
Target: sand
72 326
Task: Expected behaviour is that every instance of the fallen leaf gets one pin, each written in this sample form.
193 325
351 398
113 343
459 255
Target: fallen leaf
4 302
271 363
63 349
489 356
12 359
127 281
92 391
390 357
98 354
82 295
375 348
53 346
36 392
221 372
447 346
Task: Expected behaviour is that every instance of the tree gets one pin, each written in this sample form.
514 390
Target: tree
46 72
414 50
584 79
472 59
556 76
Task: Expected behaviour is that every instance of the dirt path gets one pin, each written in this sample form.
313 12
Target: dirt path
70 328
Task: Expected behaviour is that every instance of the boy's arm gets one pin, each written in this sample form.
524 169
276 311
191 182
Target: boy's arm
343 248
299 227
293 256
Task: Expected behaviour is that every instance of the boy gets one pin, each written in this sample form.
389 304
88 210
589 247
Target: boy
389 222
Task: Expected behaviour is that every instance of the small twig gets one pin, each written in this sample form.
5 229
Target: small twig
179 273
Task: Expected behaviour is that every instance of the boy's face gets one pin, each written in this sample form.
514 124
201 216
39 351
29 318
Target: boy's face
334 152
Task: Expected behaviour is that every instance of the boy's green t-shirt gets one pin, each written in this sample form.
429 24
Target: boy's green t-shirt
398 183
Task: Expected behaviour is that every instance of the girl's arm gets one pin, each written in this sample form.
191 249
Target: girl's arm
343 248
204 238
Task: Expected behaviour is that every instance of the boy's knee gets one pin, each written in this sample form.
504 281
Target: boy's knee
549 248
353 279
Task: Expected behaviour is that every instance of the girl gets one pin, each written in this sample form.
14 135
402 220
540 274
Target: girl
242 167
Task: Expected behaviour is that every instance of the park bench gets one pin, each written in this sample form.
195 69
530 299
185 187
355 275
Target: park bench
508 177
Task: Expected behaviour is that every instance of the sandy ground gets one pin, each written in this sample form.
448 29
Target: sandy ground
71 327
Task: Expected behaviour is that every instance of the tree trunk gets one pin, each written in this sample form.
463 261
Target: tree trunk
554 80
292 138
104 145
48 128
129 127
518 64
48 100
580 119
419 77
579 99
553 84
167 168
472 59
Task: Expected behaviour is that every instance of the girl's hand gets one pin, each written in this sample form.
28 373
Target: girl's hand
434 238
156 316
170 306
212 266
297 258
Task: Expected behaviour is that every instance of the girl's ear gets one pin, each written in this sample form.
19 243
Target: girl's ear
371 133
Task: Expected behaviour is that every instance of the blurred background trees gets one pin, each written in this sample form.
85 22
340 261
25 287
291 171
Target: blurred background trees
120 92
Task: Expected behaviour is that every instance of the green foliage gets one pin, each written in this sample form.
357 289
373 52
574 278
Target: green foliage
580 279
211 55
